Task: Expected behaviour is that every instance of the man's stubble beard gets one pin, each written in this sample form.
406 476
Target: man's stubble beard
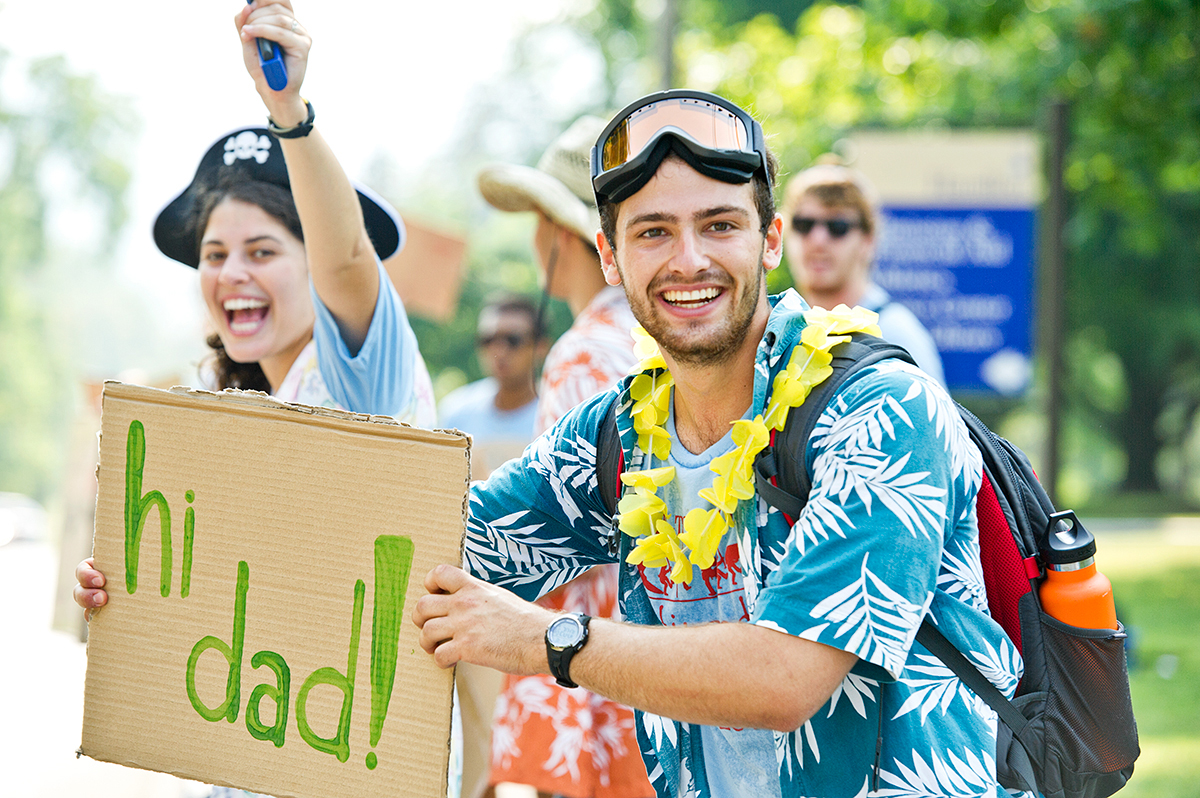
723 344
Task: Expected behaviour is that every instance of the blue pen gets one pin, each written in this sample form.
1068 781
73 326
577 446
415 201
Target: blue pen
271 59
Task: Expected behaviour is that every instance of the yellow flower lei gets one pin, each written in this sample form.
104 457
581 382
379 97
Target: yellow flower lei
643 515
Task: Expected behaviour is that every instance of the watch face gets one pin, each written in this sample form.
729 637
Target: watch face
564 632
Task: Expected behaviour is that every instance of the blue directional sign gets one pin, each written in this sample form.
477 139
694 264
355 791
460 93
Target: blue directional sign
967 275
956 243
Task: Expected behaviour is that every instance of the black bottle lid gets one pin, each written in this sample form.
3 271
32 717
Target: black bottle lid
1066 540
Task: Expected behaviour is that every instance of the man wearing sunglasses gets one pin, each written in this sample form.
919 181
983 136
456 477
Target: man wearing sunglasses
764 657
830 222
499 410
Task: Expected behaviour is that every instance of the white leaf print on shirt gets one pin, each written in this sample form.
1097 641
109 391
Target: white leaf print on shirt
961 576
871 474
789 748
940 409
856 688
508 546
938 688
965 777
658 729
860 429
862 469
879 620
935 686
566 472
821 517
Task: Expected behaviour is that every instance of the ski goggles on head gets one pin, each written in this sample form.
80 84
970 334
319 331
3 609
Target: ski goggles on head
714 136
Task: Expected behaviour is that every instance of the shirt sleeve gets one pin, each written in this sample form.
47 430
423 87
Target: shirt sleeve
861 565
382 376
539 521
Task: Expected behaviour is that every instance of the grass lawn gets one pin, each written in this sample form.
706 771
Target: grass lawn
1156 581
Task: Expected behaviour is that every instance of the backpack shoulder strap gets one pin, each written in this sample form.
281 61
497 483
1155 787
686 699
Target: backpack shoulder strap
609 459
937 644
780 476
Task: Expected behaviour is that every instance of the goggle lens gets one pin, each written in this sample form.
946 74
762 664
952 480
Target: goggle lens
707 124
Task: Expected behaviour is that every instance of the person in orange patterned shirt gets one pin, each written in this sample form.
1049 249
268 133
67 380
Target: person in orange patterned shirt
569 742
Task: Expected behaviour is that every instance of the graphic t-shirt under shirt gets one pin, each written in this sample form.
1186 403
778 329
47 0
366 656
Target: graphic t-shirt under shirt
739 763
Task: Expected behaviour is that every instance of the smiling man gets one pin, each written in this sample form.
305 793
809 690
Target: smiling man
764 657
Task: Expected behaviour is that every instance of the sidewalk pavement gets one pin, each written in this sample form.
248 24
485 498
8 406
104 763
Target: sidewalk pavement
41 696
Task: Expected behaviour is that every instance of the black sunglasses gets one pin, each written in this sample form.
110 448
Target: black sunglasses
510 340
836 227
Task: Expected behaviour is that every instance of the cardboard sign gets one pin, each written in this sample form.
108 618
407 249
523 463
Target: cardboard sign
263 561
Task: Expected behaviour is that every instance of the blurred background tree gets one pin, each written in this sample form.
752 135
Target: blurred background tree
814 72
61 166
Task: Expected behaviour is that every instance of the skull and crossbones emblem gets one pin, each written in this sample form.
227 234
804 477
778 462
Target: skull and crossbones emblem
246 145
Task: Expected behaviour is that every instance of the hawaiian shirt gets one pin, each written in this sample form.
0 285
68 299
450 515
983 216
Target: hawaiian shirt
588 358
888 536
572 741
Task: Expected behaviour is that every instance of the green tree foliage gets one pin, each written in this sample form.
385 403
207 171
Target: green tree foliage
59 146
1129 71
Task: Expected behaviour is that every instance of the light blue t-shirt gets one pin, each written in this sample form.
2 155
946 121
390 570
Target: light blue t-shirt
739 763
496 435
387 375
899 325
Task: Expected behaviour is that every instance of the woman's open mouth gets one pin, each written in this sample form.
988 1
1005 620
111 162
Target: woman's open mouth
245 316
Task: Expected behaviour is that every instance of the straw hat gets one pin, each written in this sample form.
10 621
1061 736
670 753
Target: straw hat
253 153
560 186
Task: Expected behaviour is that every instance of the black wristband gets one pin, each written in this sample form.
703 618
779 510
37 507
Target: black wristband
299 131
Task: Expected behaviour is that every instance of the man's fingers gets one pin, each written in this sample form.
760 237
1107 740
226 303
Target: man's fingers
435 633
437 638
430 606
445 579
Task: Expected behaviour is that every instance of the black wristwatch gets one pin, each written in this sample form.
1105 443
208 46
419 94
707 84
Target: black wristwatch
564 637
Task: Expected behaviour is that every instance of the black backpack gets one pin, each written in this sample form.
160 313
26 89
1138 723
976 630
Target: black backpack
1069 732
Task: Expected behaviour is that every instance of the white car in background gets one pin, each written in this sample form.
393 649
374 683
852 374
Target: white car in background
21 518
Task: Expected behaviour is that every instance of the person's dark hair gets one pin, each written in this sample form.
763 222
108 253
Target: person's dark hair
515 303
276 202
764 201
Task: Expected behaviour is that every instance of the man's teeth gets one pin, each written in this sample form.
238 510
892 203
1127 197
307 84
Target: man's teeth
701 295
243 304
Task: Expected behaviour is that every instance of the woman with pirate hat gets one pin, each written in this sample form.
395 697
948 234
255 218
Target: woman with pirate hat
288 252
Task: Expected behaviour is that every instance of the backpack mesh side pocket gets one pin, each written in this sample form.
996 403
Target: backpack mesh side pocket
1090 734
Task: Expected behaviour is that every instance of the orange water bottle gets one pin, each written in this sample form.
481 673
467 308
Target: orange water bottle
1074 592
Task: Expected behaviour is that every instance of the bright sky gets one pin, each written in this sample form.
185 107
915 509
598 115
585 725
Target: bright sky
384 75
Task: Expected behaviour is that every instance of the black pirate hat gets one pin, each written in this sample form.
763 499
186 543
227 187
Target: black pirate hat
253 153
